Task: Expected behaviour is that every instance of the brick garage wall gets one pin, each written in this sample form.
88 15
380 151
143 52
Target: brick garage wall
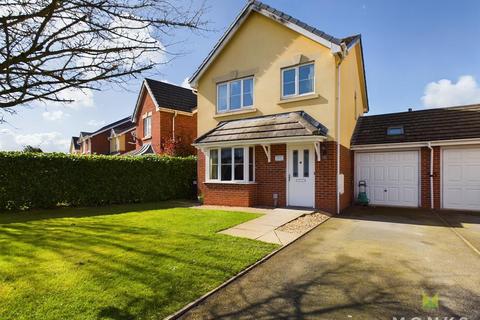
326 179
347 169
147 105
271 177
241 195
425 177
129 142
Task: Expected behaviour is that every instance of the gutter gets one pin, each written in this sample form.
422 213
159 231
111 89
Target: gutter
341 57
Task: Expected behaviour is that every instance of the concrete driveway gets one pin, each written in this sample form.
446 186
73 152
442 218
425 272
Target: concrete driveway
364 264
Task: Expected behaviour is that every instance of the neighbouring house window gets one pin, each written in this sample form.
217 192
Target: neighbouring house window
114 144
306 163
147 126
298 80
395 131
235 95
231 164
214 164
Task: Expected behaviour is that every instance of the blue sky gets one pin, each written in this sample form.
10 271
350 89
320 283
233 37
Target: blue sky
417 54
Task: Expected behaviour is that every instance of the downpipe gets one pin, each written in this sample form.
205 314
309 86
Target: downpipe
432 204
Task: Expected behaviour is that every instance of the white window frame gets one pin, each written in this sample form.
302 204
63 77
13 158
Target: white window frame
297 81
242 107
147 118
219 165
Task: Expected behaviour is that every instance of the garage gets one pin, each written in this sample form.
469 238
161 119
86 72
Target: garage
392 177
461 178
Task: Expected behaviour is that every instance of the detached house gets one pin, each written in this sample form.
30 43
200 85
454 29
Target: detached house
278 102
114 138
165 117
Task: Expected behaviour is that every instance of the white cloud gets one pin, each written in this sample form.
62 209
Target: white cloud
47 141
54 115
444 93
185 83
96 123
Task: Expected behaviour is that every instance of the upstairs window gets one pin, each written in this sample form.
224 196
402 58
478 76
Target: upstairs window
235 95
147 126
298 80
395 131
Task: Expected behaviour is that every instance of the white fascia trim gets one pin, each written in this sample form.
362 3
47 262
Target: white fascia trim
137 105
170 110
259 142
405 145
334 48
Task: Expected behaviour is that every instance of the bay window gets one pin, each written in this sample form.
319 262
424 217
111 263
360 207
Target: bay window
298 80
235 95
235 164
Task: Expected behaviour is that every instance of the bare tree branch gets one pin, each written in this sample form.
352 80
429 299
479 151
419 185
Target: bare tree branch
49 46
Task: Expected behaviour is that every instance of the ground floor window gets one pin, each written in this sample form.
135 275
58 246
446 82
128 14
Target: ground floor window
235 164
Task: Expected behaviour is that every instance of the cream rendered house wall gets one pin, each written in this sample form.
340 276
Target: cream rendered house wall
262 47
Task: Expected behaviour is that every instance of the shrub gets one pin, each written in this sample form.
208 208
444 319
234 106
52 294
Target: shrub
36 180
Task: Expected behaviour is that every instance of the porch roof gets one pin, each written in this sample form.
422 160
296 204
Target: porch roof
276 128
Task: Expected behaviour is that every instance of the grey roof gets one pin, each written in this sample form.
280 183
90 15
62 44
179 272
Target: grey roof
291 124
259 6
127 126
453 123
145 149
171 96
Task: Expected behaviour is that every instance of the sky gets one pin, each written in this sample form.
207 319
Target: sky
418 54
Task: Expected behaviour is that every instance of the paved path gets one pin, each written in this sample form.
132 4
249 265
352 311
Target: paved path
264 227
367 264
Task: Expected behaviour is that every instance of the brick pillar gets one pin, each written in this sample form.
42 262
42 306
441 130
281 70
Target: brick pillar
326 179
425 177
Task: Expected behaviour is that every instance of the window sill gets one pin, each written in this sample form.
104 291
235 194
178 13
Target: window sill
229 182
233 113
298 98
146 138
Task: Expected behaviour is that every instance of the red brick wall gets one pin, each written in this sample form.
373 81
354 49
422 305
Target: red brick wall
425 177
271 177
326 179
185 126
241 195
347 169
129 143
147 105
185 129
100 143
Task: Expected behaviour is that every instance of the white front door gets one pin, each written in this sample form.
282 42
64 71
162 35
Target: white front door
461 178
301 175
392 177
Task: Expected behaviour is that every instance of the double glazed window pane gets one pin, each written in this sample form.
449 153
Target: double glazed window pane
235 95
247 92
147 122
238 164
250 163
226 167
305 76
214 164
295 163
222 102
289 79
306 163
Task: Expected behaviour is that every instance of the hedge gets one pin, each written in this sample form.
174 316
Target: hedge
45 180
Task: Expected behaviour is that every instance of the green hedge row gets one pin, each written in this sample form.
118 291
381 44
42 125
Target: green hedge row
36 180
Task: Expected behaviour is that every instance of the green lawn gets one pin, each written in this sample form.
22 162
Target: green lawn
120 262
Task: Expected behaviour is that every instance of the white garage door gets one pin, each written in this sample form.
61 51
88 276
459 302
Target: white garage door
461 179
392 177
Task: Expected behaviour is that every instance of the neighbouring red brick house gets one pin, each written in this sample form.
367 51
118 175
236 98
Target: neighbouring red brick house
166 119
113 139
